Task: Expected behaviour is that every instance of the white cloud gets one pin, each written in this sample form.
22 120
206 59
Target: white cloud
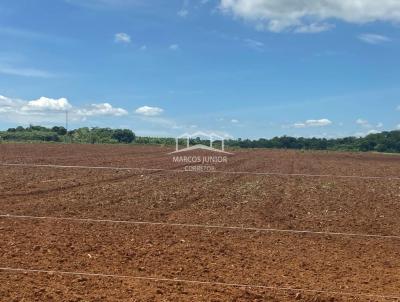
6 109
47 109
43 110
183 13
102 109
8 105
174 47
149 111
373 38
313 28
234 121
310 15
122 38
6 101
313 123
47 104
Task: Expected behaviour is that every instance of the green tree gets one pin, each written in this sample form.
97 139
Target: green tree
124 136
59 130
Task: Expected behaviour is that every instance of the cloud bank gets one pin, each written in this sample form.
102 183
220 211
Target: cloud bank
46 108
47 104
310 16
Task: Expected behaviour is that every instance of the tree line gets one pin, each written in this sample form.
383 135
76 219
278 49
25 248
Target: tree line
60 134
387 141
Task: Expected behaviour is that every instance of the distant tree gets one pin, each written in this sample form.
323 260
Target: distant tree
59 130
386 141
123 136
37 128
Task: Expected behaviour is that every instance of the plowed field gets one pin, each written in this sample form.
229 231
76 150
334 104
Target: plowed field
126 223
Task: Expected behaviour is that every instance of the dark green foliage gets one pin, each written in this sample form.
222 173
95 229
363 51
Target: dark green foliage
46 136
59 130
101 135
388 141
146 140
123 135
60 134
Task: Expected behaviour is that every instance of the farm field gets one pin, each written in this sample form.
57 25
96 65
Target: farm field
126 223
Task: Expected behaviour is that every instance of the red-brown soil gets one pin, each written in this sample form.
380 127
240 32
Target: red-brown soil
347 268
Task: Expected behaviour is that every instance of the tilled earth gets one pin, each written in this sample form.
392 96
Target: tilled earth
218 231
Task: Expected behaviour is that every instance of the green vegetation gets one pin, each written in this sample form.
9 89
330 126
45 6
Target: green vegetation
388 141
60 134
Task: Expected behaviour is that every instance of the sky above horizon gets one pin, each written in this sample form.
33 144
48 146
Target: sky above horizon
238 68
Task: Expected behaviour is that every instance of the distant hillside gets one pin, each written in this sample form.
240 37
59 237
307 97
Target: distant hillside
387 141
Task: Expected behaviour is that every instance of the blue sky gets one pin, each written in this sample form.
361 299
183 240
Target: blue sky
240 68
